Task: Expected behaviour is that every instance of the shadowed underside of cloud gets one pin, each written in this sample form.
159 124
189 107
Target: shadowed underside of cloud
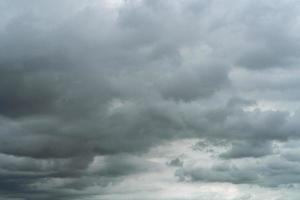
88 87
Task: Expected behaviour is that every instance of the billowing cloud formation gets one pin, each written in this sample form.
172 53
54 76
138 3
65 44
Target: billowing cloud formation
89 88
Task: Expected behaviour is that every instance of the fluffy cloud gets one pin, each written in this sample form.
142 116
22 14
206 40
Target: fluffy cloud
87 88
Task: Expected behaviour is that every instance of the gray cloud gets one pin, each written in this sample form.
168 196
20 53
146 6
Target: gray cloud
176 162
272 172
80 80
248 149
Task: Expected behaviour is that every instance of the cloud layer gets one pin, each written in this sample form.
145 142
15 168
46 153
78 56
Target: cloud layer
88 89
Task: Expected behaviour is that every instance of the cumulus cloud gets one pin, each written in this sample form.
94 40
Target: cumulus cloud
87 88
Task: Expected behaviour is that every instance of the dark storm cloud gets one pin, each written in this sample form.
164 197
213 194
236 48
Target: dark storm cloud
78 80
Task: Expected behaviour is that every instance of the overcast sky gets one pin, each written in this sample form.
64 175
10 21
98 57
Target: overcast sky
149 99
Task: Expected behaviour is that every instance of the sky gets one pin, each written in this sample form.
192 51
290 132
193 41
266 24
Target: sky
149 99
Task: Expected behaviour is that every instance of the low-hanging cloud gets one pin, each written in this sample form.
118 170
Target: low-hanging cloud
83 80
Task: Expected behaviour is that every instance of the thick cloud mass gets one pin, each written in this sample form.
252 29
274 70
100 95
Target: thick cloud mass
90 89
